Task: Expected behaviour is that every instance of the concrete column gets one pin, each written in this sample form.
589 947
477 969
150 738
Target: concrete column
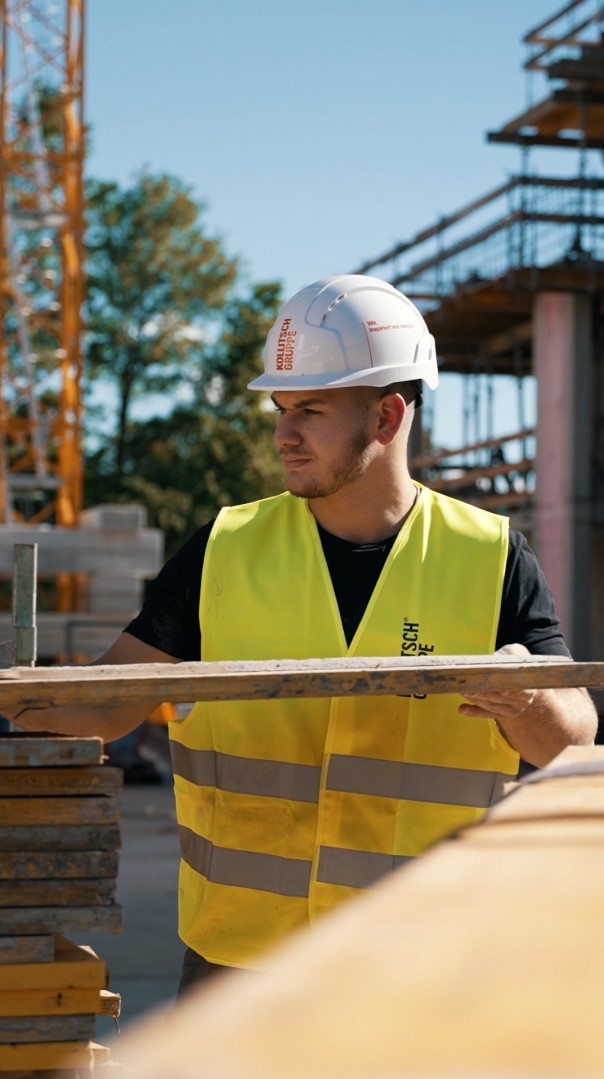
563 364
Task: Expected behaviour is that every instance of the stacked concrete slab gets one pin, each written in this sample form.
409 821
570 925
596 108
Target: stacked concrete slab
112 552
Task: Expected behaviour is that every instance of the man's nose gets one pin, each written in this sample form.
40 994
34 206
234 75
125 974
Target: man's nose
286 432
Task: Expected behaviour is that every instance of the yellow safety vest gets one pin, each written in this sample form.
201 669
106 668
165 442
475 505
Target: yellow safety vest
285 807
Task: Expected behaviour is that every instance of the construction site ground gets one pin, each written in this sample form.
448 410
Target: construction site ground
144 960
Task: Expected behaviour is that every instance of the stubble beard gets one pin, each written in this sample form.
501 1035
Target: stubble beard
348 470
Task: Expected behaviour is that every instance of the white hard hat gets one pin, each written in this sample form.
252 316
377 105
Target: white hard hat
350 330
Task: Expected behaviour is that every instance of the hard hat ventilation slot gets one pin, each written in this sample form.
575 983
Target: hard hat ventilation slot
333 303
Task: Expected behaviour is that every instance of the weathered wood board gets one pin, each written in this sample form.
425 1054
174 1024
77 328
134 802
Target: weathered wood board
28 1002
60 837
39 687
52 893
45 865
41 782
23 949
478 960
56 811
47 1028
61 919
26 750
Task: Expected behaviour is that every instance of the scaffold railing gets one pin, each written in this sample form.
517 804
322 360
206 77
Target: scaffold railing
576 24
528 222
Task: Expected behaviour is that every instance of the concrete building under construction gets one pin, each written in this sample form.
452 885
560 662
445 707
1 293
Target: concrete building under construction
511 285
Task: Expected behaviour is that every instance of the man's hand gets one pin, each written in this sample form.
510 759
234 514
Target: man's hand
538 723
106 721
501 704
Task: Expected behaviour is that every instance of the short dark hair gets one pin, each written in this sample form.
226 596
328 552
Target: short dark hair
409 391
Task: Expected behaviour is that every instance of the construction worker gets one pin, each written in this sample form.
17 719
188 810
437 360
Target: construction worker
286 807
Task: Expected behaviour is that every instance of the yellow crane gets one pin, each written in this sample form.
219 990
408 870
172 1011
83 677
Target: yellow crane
41 260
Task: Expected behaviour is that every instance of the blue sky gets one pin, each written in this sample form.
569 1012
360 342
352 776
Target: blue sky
317 134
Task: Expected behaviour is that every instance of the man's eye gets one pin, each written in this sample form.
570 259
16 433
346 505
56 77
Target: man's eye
311 412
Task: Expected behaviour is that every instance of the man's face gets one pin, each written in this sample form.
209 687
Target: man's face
323 437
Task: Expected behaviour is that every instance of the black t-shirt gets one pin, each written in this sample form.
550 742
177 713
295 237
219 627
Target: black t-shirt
169 619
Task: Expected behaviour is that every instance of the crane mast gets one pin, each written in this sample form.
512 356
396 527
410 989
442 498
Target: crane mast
41 260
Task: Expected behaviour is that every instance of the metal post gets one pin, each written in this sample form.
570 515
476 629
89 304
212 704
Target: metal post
25 564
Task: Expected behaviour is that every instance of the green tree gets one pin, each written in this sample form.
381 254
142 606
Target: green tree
155 283
215 450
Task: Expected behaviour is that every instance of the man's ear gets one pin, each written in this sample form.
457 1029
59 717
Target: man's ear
391 413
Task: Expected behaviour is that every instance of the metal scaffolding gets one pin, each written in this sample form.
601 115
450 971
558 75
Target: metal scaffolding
476 272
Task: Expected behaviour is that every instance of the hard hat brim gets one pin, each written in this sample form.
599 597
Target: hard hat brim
369 376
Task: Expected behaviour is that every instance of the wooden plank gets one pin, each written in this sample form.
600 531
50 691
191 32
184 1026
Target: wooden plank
35 949
467 962
526 832
50 893
47 1028
74 966
60 837
40 687
52 1055
109 1004
60 919
24 750
42 782
583 797
59 1002
85 810
49 865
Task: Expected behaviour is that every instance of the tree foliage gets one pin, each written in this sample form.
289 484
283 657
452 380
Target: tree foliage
165 317
166 314
155 279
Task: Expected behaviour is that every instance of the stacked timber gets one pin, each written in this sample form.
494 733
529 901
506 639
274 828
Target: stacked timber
59 838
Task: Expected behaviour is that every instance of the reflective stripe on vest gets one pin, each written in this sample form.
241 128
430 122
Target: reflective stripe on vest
263 872
285 806
273 779
355 868
358 775
415 782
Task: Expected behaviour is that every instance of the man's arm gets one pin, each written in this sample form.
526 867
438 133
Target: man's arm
104 721
538 723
